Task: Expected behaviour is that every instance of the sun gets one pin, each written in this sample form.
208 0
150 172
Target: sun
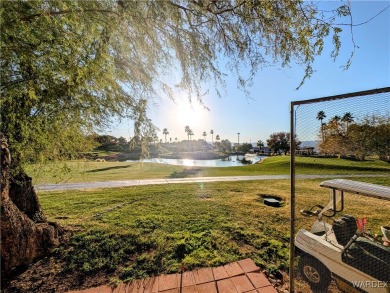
191 114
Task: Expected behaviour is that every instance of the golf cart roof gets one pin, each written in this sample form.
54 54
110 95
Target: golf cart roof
366 189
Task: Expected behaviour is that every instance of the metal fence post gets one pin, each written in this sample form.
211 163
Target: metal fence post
292 196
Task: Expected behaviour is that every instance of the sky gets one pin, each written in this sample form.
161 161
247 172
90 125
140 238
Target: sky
267 110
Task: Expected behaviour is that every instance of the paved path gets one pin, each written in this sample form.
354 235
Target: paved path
124 183
237 277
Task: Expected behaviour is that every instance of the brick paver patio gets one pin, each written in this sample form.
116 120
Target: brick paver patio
238 277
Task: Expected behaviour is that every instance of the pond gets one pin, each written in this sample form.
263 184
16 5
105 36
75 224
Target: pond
226 162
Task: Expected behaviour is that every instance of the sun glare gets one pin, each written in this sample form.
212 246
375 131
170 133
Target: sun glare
188 163
190 114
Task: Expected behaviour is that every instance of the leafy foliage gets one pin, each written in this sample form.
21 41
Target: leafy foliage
68 67
371 136
244 147
280 142
224 146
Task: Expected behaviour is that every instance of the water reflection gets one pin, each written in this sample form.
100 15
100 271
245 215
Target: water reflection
229 161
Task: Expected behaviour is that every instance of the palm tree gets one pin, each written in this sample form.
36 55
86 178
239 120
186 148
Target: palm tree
238 135
212 135
191 133
320 116
187 130
217 138
335 125
165 132
347 118
204 134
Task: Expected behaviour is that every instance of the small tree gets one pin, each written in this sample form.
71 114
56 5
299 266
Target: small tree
224 146
371 136
360 141
280 142
260 144
244 148
106 139
122 140
334 140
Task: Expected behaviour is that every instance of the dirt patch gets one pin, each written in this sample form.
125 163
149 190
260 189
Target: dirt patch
46 276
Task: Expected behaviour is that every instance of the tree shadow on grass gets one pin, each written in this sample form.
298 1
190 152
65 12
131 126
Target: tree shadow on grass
108 168
185 173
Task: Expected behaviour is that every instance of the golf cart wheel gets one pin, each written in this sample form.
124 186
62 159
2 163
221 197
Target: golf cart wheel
315 273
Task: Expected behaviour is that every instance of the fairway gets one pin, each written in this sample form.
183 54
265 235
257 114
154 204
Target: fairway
79 171
133 232
120 234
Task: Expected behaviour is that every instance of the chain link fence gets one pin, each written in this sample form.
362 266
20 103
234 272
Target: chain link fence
340 193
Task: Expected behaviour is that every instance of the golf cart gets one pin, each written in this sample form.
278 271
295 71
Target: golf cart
357 261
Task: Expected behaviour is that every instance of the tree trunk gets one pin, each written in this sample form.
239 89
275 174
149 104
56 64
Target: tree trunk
25 233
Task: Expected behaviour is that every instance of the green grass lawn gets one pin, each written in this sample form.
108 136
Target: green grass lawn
133 232
154 229
78 171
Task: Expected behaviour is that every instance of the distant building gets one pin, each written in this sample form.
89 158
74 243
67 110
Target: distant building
306 151
265 150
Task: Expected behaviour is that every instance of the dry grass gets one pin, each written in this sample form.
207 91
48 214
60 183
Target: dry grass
134 232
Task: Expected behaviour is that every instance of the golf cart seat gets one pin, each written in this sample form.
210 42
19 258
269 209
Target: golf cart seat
369 257
344 229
